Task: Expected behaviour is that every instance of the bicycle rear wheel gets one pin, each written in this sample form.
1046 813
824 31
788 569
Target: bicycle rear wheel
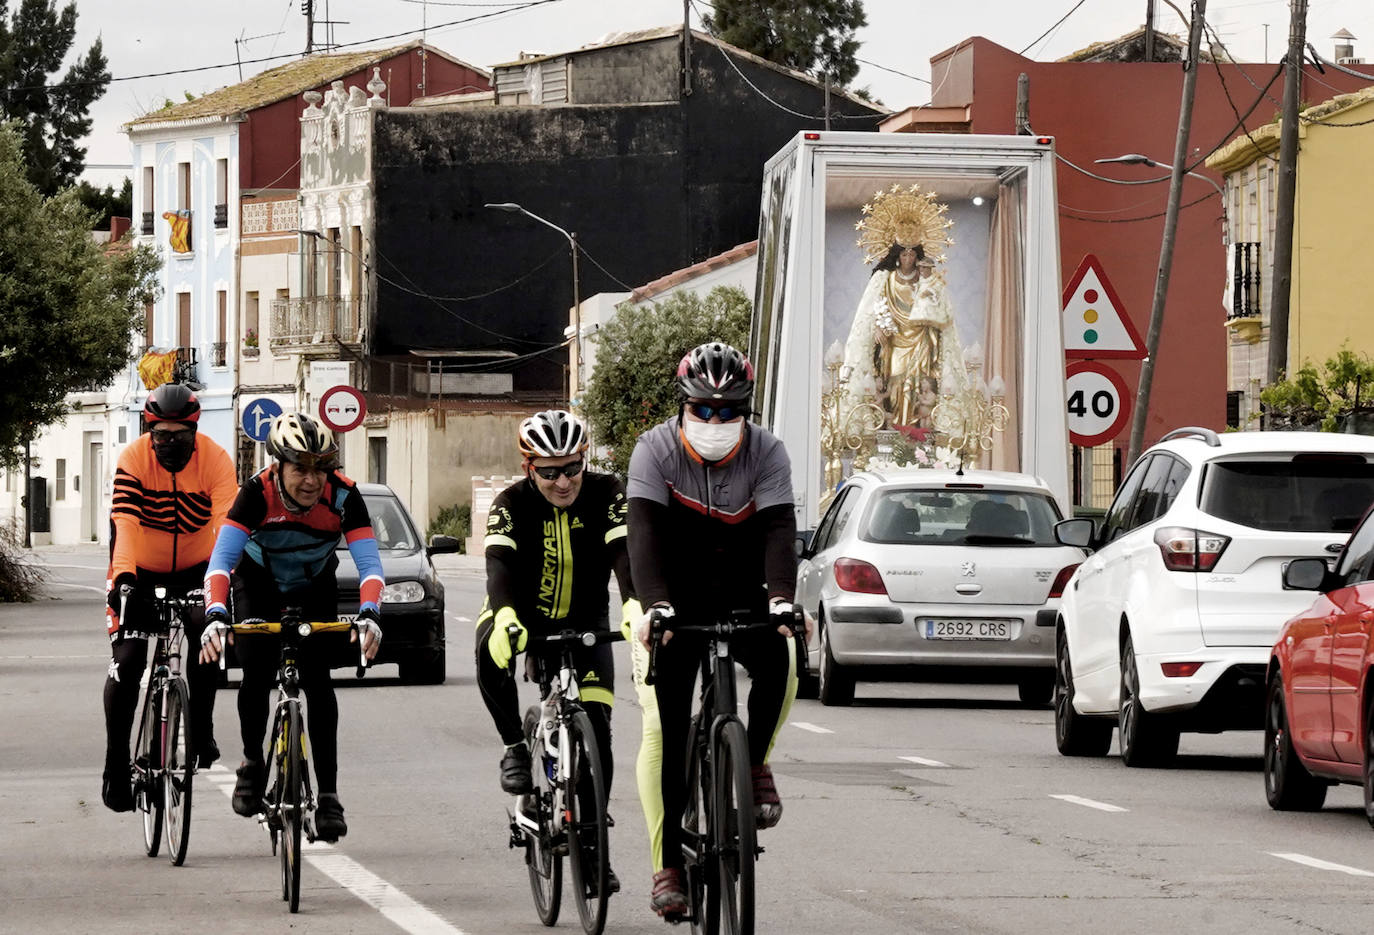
699 855
736 836
545 867
290 760
180 767
148 771
588 857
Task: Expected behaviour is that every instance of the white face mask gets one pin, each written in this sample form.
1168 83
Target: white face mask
713 440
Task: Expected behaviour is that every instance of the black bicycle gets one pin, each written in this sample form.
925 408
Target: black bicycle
566 813
719 840
164 757
289 804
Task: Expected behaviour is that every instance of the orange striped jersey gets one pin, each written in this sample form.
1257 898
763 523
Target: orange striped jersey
164 522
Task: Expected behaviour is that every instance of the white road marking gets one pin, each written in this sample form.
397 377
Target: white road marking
813 728
404 912
922 761
68 584
461 619
1321 864
1090 803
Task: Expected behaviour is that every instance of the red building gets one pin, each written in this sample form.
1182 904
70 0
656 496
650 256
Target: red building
1104 102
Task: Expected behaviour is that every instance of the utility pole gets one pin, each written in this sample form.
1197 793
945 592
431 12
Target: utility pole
1287 194
308 8
1166 247
1022 119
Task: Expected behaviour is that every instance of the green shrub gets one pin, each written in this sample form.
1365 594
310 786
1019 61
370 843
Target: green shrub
453 521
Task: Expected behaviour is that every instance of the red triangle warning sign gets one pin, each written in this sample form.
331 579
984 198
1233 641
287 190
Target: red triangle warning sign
1095 322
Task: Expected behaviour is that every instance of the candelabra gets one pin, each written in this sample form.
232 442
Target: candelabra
969 418
846 429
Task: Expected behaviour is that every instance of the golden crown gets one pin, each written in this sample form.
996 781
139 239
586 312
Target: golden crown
907 217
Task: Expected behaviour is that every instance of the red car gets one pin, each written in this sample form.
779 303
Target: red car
1319 702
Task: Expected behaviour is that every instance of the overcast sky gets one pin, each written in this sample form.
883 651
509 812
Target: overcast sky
142 37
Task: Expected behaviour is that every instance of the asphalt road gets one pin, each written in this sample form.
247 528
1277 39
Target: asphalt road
922 809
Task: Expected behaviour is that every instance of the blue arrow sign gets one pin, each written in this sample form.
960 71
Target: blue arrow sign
257 417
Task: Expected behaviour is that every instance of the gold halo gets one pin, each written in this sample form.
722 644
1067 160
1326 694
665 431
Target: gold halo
904 216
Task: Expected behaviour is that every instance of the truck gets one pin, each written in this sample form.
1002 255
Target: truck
907 308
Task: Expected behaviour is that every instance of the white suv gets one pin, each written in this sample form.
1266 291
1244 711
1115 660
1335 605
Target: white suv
1167 625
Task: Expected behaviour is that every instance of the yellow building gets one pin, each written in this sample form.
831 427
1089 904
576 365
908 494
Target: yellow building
1333 231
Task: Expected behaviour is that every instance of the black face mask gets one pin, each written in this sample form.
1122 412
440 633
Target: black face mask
175 452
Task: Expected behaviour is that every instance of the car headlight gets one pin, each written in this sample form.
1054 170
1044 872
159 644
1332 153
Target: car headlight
403 592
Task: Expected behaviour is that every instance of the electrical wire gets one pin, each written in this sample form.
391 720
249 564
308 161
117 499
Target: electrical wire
251 192
864 61
1221 77
1056 25
1143 217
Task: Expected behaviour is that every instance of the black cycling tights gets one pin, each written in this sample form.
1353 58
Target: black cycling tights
123 693
259 656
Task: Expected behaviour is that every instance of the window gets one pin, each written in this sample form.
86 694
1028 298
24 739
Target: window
335 259
184 186
1308 493
309 274
822 537
1233 409
147 200
376 460
1150 502
355 262
183 337
221 193
250 317
221 314
1115 522
9 481
148 325
61 485
924 516
123 434
1354 564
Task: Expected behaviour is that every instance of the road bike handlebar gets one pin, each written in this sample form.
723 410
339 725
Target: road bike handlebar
731 624
302 628
586 638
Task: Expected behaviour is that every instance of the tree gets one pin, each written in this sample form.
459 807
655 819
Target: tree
67 304
1322 399
814 36
107 203
54 117
637 353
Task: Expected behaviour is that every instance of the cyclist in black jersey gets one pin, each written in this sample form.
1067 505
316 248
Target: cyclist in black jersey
551 543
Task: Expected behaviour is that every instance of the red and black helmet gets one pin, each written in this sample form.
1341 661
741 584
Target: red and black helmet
171 402
715 371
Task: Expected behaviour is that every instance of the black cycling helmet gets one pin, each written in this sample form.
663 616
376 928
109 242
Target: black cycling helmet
297 438
171 402
715 371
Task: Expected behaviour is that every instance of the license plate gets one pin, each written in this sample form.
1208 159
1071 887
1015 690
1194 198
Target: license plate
967 629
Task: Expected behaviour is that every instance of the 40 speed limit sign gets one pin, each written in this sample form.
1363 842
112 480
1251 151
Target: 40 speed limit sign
1098 403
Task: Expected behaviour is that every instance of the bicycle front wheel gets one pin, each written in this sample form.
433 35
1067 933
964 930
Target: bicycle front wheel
544 865
699 854
180 767
736 836
290 763
148 771
585 795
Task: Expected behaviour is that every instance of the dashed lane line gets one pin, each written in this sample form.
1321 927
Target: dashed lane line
403 911
922 761
1321 864
813 728
1090 803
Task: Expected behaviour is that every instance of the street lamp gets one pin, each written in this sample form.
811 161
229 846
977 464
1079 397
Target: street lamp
512 208
1135 159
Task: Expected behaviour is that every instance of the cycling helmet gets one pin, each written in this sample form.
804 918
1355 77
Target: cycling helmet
297 438
554 433
715 371
171 402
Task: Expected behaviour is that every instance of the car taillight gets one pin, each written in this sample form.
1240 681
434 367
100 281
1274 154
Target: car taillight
1061 580
1189 549
1179 670
860 577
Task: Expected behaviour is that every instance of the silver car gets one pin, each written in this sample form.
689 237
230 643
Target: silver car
938 575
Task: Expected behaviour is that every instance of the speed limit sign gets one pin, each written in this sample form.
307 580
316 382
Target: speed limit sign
1098 403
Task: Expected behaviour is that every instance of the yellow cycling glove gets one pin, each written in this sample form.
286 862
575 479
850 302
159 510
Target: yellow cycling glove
631 612
498 644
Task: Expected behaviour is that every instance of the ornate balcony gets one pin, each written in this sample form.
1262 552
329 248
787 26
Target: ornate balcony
316 325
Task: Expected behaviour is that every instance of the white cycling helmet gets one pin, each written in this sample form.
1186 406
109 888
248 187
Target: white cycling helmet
297 438
554 433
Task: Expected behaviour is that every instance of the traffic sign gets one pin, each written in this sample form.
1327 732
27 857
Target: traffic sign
257 417
1095 321
1098 403
342 408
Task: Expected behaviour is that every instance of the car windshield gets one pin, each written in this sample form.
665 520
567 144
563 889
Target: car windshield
1306 494
389 524
963 517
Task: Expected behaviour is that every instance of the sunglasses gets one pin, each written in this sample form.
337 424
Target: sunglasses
326 463
565 470
166 435
728 412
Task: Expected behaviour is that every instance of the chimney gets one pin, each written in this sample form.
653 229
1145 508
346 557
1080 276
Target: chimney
1345 46
118 228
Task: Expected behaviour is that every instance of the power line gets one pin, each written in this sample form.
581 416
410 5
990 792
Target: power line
864 61
1054 27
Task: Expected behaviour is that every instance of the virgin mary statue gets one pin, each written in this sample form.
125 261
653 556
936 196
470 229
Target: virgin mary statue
902 348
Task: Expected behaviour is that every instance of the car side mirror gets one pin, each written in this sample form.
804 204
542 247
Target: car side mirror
1078 532
803 543
440 544
1306 574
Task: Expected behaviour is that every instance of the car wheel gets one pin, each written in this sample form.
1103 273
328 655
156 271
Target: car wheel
1288 785
1074 734
1146 739
809 685
1036 690
1368 762
424 667
836 684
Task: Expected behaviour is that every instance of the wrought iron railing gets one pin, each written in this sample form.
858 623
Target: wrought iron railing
147 227
221 216
317 321
187 366
1246 276
217 353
